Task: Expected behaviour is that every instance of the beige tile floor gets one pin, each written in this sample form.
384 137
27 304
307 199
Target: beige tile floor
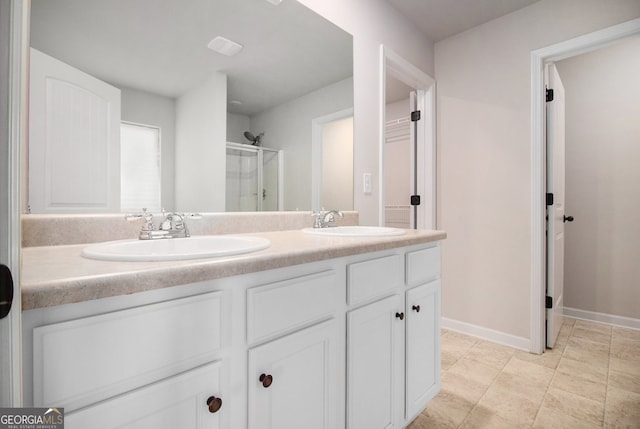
591 379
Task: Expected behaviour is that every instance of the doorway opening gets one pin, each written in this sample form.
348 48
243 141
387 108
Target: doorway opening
539 59
423 158
332 161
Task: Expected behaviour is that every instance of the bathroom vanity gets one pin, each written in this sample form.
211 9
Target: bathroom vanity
313 332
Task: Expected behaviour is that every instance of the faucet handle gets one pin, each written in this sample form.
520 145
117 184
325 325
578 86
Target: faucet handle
317 218
145 216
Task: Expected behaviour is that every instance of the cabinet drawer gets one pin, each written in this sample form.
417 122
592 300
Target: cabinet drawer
373 278
82 361
423 266
281 307
177 402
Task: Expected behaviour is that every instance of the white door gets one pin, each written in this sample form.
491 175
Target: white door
71 112
12 121
556 210
375 362
292 381
422 347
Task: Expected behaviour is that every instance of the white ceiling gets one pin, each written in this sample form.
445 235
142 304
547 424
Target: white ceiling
439 19
161 46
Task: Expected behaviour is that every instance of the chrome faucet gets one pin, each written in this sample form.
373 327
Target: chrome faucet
174 225
171 226
326 220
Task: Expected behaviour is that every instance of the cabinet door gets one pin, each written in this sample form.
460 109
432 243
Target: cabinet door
375 352
422 347
292 381
177 402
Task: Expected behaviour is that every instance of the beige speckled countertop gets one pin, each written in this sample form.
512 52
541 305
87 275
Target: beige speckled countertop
56 275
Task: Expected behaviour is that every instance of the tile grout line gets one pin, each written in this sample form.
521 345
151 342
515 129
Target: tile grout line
555 372
486 390
478 401
606 393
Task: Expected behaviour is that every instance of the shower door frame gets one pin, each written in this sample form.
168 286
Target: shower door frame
259 150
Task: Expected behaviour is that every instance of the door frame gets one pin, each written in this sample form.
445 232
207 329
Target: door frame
14 127
540 57
425 86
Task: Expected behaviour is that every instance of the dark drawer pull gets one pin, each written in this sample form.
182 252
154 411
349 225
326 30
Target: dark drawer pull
266 380
400 316
416 308
214 404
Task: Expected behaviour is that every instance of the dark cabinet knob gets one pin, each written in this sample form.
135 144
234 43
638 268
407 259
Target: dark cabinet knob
567 218
400 316
416 308
214 404
266 380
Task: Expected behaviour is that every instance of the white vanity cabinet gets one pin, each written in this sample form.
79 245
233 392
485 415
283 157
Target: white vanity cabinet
183 401
375 334
292 380
422 347
374 364
423 303
153 363
344 343
393 350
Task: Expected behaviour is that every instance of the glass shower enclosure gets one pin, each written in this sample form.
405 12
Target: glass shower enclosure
254 178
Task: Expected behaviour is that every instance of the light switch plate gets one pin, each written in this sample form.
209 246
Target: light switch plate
366 180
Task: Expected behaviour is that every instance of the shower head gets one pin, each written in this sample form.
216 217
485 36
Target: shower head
255 140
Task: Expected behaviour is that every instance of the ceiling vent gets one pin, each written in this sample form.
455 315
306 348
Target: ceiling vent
224 46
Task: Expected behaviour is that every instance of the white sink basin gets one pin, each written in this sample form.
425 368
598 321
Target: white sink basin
202 246
356 231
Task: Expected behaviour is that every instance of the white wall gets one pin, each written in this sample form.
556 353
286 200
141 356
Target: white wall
236 126
337 165
288 127
603 179
371 23
484 156
200 153
151 109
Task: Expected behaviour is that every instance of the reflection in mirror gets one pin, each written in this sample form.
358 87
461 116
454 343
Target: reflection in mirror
293 67
398 154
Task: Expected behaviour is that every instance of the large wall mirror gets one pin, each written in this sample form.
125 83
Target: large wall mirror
147 75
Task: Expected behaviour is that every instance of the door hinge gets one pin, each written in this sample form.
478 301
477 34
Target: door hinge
415 116
415 200
549 95
549 198
548 302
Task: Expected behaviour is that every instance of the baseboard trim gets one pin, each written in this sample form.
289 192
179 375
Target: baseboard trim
611 319
483 333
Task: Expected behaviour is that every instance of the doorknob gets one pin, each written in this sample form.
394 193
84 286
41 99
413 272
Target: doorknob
567 218
6 291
